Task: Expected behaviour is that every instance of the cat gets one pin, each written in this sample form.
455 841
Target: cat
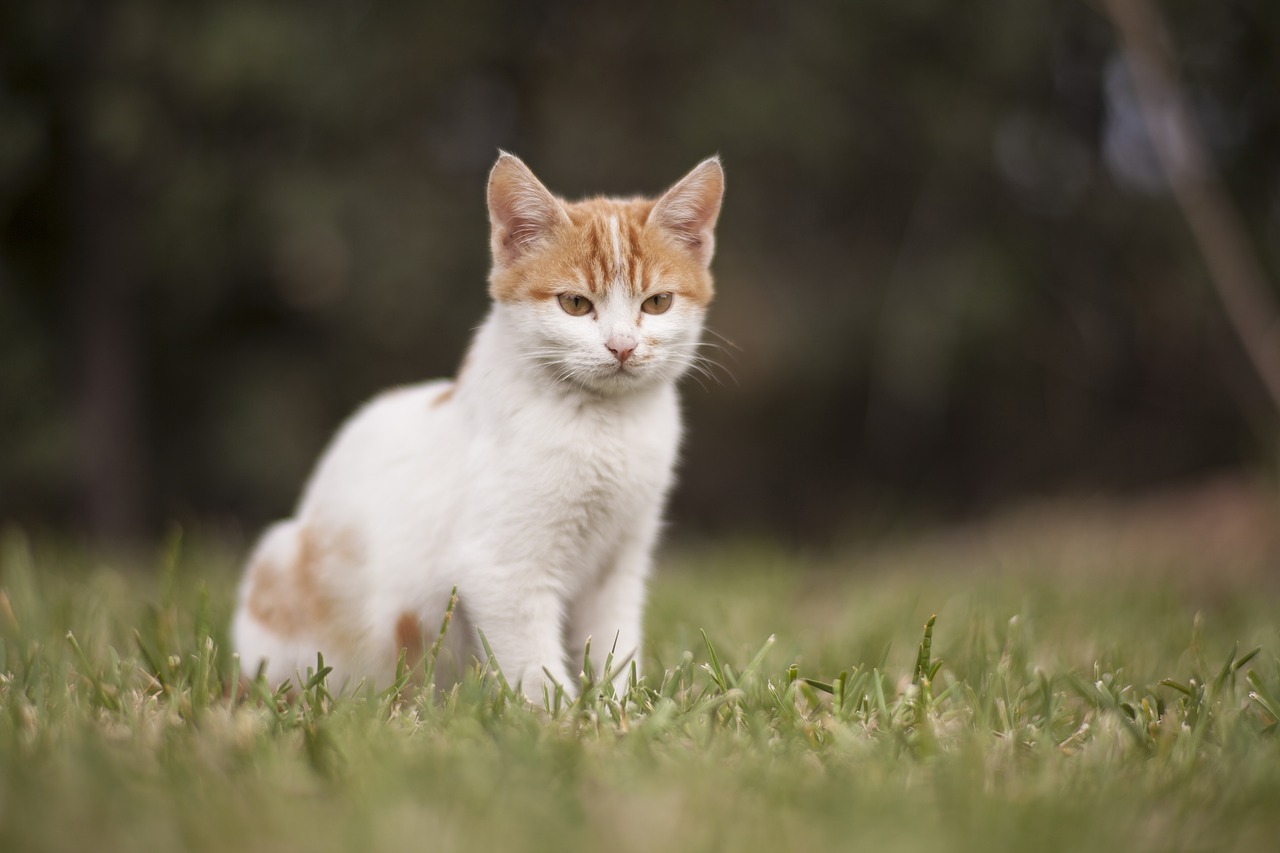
534 482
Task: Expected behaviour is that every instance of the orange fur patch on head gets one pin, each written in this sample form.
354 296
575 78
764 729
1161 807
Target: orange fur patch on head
640 243
608 241
299 598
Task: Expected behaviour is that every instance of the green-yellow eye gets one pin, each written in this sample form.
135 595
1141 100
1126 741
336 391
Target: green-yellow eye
574 304
656 304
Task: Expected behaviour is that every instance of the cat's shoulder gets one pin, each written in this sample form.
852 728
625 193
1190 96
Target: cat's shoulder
401 407
431 395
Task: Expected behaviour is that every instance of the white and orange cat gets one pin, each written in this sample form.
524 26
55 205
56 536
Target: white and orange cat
534 482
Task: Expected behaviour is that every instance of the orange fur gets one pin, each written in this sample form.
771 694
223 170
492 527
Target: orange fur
580 257
410 639
296 599
444 396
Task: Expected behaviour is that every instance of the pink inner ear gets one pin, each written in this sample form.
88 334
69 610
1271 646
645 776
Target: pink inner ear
688 211
521 209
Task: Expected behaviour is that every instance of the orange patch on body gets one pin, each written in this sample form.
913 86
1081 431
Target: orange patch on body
298 598
444 396
410 639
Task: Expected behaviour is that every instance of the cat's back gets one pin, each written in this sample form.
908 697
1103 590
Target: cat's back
394 440
310 582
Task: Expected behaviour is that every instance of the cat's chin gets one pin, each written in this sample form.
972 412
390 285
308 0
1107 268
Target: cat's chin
615 381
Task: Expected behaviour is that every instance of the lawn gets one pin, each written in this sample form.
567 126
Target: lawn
1099 676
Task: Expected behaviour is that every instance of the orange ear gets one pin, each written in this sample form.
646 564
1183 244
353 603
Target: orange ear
688 211
522 212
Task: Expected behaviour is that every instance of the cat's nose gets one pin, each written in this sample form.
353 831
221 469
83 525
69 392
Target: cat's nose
621 347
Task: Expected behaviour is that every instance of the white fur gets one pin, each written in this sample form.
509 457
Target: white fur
537 489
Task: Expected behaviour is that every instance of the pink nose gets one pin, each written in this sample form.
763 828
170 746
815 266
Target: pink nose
621 350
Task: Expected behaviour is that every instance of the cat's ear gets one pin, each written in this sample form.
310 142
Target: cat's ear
688 211
522 212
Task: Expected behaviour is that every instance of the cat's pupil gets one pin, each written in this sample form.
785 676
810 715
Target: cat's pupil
578 306
657 303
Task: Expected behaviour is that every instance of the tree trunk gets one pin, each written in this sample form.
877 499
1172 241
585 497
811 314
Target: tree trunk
102 283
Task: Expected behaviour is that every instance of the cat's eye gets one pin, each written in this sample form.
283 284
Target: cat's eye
656 304
576 305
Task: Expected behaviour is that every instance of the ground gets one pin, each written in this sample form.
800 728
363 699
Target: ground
1090 683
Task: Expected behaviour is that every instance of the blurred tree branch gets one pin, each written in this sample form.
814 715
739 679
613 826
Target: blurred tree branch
1184 158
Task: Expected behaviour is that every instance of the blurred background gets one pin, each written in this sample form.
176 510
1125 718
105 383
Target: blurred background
952 274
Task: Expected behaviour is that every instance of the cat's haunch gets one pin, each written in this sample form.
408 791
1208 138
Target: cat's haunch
534 482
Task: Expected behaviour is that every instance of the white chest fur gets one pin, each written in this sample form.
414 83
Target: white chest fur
559 470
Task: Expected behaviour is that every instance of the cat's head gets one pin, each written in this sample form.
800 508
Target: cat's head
607 294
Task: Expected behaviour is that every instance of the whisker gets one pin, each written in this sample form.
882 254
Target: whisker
706 366
699 367
730 343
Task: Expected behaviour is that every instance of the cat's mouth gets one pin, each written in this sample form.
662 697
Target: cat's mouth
616 376
632 367
615 373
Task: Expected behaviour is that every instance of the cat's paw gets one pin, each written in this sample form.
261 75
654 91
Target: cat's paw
547 688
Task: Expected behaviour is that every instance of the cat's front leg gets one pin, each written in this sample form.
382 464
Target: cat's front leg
610 614
523 624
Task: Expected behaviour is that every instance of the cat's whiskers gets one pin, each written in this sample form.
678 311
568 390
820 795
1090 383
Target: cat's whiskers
544 356
687 356
696 374
728 344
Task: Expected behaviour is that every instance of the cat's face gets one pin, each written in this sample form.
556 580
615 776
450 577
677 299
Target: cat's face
605 294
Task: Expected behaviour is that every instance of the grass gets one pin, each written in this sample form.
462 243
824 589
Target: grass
1094 680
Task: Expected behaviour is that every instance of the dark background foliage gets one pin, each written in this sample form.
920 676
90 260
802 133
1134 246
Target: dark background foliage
948 265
